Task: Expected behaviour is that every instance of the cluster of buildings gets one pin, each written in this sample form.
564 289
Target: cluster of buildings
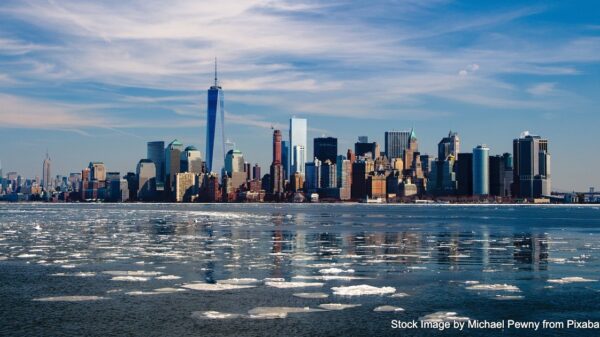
399 172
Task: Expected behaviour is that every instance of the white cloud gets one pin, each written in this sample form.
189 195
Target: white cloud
542 88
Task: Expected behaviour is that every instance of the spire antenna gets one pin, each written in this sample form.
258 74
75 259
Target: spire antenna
215 71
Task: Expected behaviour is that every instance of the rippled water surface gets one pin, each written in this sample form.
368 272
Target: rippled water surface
292 270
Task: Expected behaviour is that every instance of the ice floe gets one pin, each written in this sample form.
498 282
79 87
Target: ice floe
168 277
311 295
388 308
130 278
399 295
70 298
572 279
215 286
337 306
239 281
494 287
292 284
213 315
362 290
278 312
335 271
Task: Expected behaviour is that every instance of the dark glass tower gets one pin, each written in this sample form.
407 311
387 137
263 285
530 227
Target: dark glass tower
215 112
326 148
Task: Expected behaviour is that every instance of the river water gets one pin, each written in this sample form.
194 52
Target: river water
294 270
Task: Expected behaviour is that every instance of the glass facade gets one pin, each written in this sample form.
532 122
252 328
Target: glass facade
298 136
215 114
481 170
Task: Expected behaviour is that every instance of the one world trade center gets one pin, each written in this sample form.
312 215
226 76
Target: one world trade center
215 112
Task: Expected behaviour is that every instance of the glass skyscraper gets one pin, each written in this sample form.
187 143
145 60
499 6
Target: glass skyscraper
396 142
215 112
481 170
298 135
156 153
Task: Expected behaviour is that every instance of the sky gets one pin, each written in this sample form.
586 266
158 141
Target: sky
94 81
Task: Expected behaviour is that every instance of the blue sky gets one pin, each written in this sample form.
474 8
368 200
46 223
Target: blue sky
95 81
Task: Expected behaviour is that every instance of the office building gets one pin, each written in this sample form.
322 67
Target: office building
156 152
359 180
497 176
313 176
298 144
285 158
365 149
449 146
326 148
146 180
464 174
481 170
215 123
191 160
531 167
172 166
328 174
256 172
185 187
396 142
276 172
47 173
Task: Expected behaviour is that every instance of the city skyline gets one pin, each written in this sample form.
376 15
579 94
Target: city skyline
92 91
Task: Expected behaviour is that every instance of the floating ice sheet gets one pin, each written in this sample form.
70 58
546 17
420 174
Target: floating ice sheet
291 284
388 308
362 290
494 287
443 316
70 298
337 306
572 279
215 287
311 295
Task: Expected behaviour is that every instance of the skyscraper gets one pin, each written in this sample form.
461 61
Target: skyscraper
362 148
325 148
313 176
46 173
146 174
256 172
464 174
156 153
191 160
531 166
215 114
234 168
172 166
396 142
298 136
449 146
276 166
481 170
285 158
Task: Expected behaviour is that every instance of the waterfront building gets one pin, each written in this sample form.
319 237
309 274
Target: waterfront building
97 172
531 166
481 170
276 172
497 176
464 174
325 148
191 160
156 152
313 176
215 122
298 144
46 173
146 180
396 142
185 187
285 158
297 182
359 180
376 186
449 146
328 175
235 168
442 178
172 166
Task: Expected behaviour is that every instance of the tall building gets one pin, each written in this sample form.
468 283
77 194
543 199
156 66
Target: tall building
325 148
285 158
449 146
172 166
97 171
531 166
277 179
396 142
362 148
46 173
215 114
156 153
185 187
146 175
313 176
234 161
409 152
256 172
497 176
191 160
298 144
359 180
328 174
481 170
464 174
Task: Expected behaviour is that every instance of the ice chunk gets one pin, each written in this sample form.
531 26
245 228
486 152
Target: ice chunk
311 295
388 308
572 279
168 277
443 316
130 278
212 315
337 306
215 287
285 285
239 281
494 287
335 271
399 295
132 273
362 290
70 298
278 312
